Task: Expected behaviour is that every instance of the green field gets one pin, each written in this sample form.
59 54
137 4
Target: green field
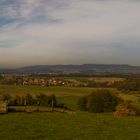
58 126
67 95
58 91
96 79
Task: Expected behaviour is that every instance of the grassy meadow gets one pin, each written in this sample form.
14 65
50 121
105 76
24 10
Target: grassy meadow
58 126
96 79
66 95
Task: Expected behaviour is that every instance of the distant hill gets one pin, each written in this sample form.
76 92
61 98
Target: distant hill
80 69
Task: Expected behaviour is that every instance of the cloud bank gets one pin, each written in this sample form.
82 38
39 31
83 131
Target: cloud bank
69 32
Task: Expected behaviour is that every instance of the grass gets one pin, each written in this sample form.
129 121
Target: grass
66 95
96 79
129 97
107 79
56 126
59 91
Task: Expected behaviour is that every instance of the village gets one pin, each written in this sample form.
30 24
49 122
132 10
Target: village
56 80
27 79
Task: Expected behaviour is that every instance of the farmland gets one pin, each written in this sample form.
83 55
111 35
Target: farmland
62 126
67 95
64 94
56 126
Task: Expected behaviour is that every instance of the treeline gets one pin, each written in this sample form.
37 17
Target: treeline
29 100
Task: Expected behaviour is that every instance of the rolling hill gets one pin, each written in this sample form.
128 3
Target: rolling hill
76 69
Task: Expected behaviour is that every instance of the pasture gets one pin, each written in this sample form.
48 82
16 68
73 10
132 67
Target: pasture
59 126
96 79
67 95
56 126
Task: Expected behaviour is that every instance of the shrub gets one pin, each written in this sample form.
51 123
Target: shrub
61 105
125 109
99 101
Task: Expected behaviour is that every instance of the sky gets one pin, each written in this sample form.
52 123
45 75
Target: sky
38 32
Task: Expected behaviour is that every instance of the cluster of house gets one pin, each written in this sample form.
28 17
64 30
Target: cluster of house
43 82
22 79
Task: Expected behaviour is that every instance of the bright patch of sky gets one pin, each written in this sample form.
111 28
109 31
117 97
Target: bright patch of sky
69 32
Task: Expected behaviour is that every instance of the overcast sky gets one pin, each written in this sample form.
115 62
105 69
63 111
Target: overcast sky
69 32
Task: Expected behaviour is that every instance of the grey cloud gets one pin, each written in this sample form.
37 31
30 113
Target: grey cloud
74 31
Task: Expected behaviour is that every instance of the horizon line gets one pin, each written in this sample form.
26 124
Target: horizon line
66 65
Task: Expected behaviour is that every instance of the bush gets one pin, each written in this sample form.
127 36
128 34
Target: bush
125 109
61 105
99 101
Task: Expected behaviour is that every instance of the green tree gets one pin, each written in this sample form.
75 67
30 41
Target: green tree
29 99
99 101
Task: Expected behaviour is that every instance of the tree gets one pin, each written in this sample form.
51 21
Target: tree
52 101
95 103
42 99
29 99
99 101
7 97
